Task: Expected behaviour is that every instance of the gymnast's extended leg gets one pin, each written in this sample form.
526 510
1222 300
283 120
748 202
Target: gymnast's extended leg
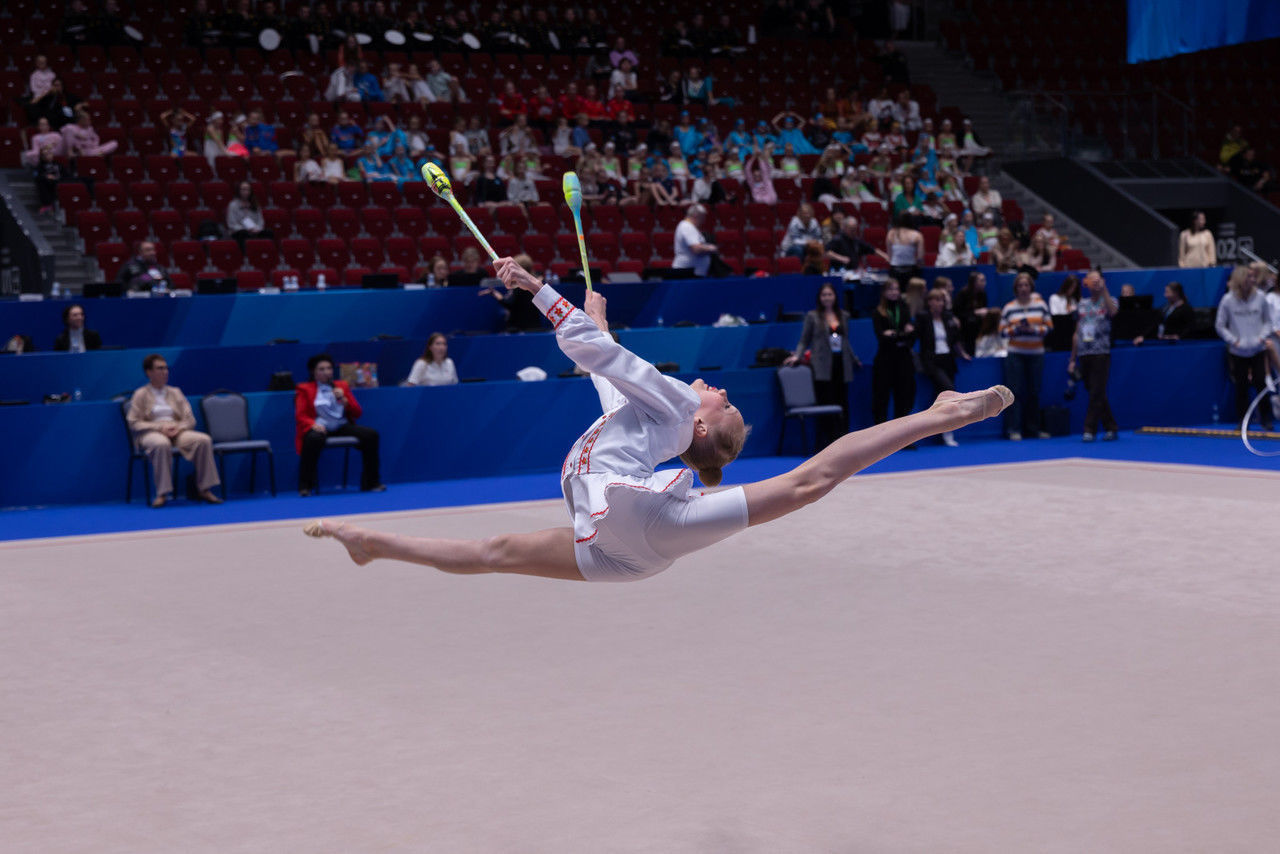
776 497
547 553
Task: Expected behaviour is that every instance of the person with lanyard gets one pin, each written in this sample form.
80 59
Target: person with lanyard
825 338
1024 322
325 407
75 337
1177 316
143 272
893 373
1091 350
161 421
846 250
939 345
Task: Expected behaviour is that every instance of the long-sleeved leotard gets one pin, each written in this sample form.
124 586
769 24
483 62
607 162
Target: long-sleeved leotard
629 520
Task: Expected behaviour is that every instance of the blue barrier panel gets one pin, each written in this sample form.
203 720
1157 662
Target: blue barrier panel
1204 287
76 452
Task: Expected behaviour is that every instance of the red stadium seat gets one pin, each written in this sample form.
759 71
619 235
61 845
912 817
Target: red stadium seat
384 194
664 244
788 264
225 255
511 219
110 196
111 256
285 194
278 221
73 198
250 280
376 221
402 251
433 245
636 245
261 254
353 277
216 195
94 227
638 217
367 251
540 248
543 219
759 215
128 168
728 216
168 225
759 241
92 168
669 216
343 222
231 169
309 223
409 221
131 226
197 169
444 221
332 252
196 217
320 195
297 253
146 195
352 194
606 218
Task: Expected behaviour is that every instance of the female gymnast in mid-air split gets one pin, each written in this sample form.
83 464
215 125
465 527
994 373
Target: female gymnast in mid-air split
630 521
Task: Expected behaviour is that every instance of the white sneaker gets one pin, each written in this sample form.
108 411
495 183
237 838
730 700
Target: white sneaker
1275 405
949 439
1015 436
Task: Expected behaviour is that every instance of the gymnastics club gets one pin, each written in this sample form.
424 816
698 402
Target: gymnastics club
439 183
573 198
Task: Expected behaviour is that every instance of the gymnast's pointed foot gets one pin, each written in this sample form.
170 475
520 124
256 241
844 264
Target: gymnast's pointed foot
350 536
974 406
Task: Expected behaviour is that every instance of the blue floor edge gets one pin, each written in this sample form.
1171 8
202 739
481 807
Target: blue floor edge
21 523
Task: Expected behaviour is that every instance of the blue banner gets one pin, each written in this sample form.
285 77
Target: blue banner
1161 28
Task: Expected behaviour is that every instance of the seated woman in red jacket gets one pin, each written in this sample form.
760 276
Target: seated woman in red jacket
326 407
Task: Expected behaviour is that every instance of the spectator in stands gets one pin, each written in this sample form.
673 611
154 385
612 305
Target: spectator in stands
846 250
906 111
825 337
580 136
490 189
989 342
662 187
1067 297
986 199
48 174
940 335
81 140
1005 253
908 205
44 137
385 136
520 187
402 166
1244 321
511 103
342 82
693 251
19 344
802 228
1047 227
1196 246
443 85
244 216
161 420
788 126
434 367
177 124
893 374
235 138
905 246
954 251
372 167
1232 144
697 88
143 272
1091 349
259 136
75 336
335 168
624 77
347 136
1039 257
988 232
41 79
1252 172
417 138
215 137
396 84
326 407
477 136
307 169
57 105
970 146
1177 317
1024 322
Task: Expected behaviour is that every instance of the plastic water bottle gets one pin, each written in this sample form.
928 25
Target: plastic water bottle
320 285
56 291
431 280
1215 413
77 395
660 320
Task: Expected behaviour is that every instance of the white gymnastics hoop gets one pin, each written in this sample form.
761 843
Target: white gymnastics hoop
1248 416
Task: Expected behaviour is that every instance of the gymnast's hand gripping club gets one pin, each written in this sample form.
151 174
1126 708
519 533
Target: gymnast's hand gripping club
439 183
573 198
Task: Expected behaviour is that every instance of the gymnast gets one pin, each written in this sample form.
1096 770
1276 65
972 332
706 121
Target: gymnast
630 521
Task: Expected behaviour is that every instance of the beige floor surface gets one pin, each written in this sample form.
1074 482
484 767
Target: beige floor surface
1050 657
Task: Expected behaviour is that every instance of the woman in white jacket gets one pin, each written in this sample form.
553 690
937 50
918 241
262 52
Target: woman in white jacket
629 520
1245 322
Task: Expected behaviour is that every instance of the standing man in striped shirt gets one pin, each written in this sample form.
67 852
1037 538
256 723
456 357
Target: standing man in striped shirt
1025 321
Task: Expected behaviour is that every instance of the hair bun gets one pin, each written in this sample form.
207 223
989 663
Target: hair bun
711 476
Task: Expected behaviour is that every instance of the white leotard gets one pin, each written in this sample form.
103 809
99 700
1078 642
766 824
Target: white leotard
630 521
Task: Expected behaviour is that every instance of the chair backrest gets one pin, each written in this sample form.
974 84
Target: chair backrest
226 415
125 401
797 386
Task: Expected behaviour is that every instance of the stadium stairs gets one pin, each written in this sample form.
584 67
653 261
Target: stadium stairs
74 268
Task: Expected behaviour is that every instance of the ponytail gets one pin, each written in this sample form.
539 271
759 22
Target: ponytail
711 476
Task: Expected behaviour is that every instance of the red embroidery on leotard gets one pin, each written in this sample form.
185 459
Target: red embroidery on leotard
589 442
559 311
590 538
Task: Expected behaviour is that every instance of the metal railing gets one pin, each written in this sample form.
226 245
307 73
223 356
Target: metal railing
1048 121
